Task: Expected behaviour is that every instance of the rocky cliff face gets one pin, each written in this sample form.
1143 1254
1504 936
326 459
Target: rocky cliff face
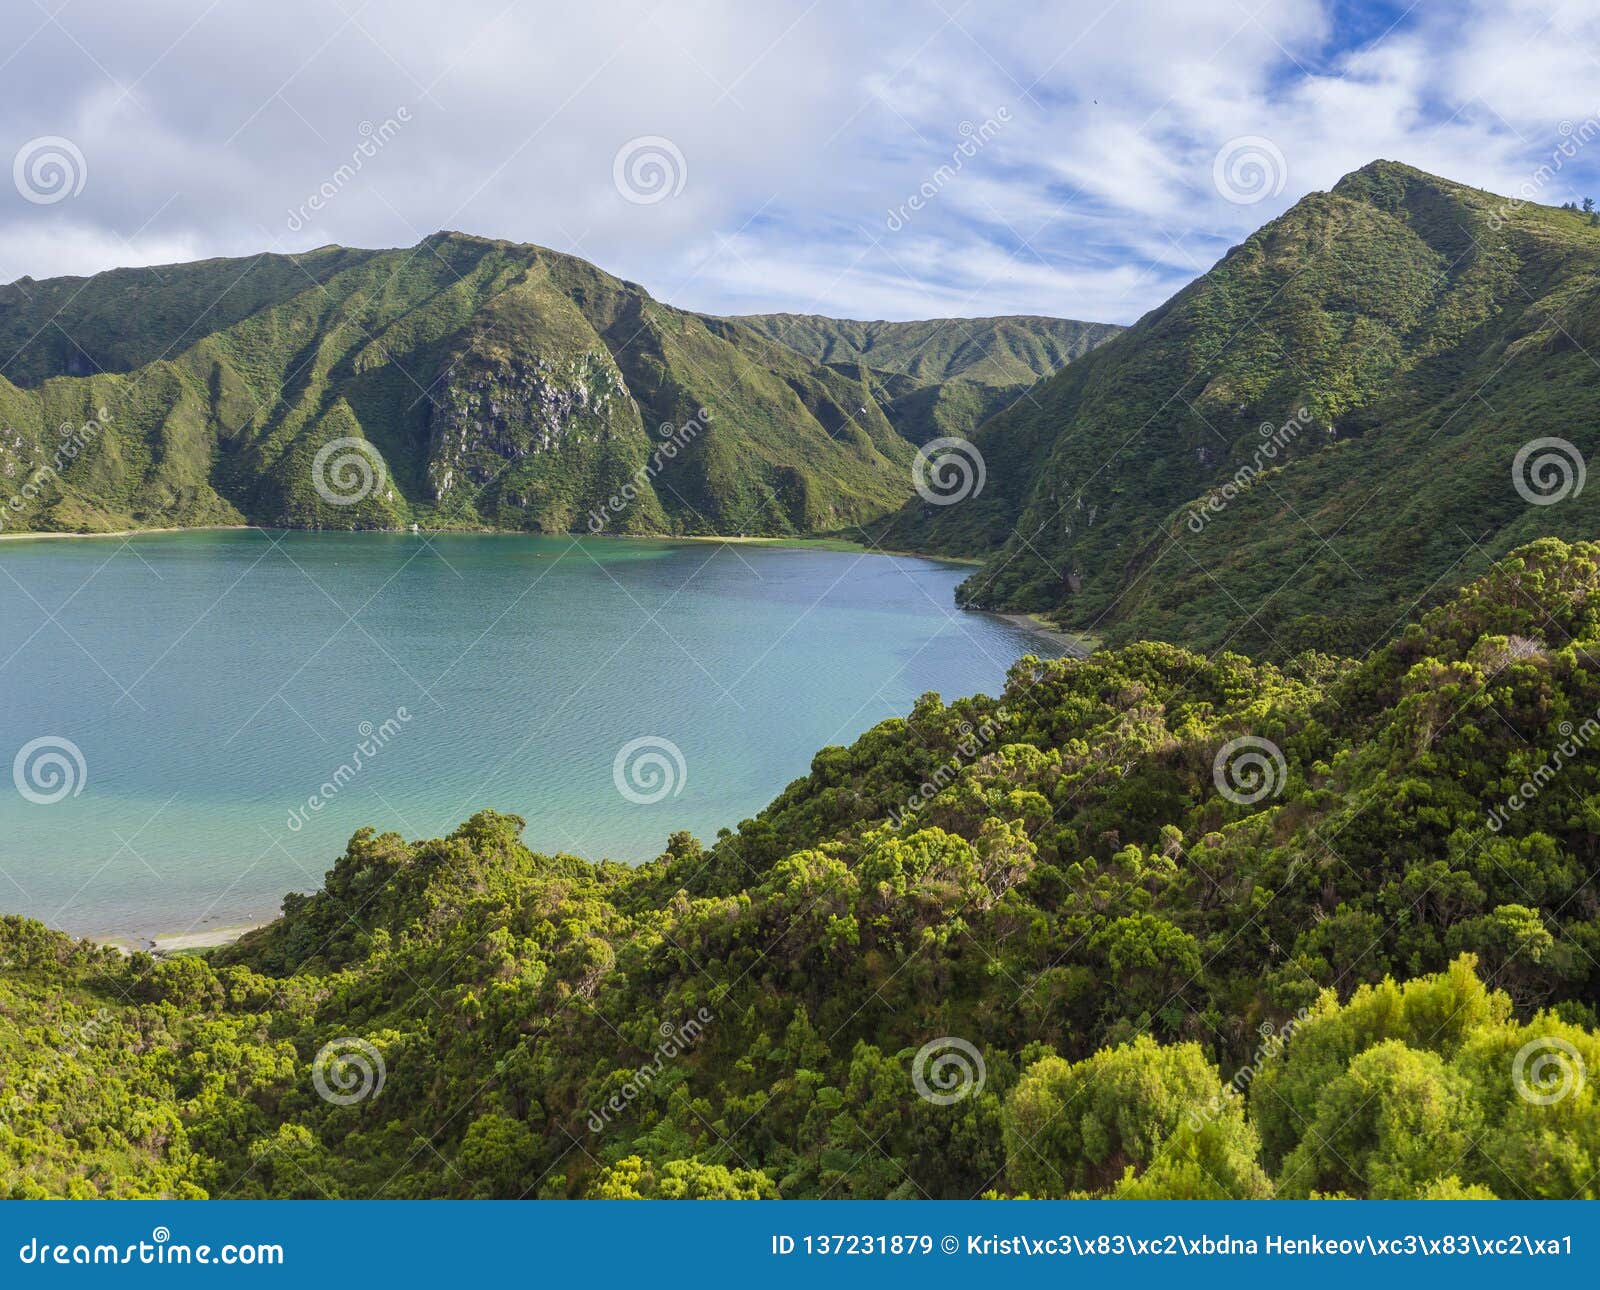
487 417
476 383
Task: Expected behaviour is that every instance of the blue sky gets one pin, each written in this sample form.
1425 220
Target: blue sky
890 160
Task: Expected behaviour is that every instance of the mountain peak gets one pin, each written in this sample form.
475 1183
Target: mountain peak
1391 185
1383 168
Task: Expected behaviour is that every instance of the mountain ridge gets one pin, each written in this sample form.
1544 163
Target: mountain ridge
1260 461
471 382
1367 331
1014 349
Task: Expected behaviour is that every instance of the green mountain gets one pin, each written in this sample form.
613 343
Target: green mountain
1319 432
464 382
942 377
1136 927
1011 350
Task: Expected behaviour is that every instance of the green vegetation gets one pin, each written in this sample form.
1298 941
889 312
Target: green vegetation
1015 350
485 384
1367 974
1316 437
943 377
1427 329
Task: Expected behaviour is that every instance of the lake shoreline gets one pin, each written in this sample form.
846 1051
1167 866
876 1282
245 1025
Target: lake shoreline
798 542
167 943
1073 644
127 533
875 636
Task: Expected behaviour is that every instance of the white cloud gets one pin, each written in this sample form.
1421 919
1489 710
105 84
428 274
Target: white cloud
801 126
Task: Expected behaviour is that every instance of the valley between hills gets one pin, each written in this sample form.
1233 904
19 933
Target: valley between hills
1354 377
1288 891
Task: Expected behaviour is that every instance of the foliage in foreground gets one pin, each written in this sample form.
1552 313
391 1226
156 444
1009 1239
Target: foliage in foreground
1043 944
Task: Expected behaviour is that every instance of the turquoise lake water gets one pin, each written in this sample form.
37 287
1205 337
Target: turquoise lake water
213 683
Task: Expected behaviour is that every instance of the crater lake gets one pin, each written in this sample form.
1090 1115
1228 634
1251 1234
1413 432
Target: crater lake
195 723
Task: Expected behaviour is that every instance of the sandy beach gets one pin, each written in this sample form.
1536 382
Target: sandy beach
177 942
127 533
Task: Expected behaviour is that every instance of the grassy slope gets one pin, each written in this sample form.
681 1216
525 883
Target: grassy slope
1007 350
939 377
1079 836
501 384
1426 341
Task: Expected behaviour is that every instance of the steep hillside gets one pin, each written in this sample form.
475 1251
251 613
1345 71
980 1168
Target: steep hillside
1323 429
461 382
1010 350
1134 927
941 377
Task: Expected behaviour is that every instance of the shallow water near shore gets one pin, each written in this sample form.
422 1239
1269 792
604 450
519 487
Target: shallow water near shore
243 701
